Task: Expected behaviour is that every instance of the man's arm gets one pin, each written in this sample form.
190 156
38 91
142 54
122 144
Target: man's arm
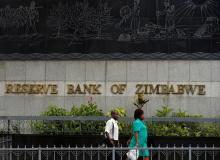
109 138
108 128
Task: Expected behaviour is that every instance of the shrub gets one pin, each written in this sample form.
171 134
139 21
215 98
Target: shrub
182 129
70 127
90 109
86 127
97 127
51 127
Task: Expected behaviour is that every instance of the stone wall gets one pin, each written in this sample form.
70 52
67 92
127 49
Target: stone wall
106 73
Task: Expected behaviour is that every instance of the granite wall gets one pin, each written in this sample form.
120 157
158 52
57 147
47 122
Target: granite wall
106 73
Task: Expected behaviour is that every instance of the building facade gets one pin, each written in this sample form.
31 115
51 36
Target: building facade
29 87
65 53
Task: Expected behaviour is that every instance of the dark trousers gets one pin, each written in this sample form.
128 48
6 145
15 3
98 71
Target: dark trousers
117 156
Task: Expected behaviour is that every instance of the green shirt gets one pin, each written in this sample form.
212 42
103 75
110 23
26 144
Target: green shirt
141 128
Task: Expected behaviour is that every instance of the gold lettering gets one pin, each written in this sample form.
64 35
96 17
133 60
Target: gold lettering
180 89
70 89
122 88
190 89
201 89
9 88
78 90
139 88
42 89
164 89
25 88
31 89
154 90
171 90
118 88
114 89
54 88
95 89
146 89
88 88
18 88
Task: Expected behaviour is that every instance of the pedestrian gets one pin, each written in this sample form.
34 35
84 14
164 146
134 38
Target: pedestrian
112 133
139 135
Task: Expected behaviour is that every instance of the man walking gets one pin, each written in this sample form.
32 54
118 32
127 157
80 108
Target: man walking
112 133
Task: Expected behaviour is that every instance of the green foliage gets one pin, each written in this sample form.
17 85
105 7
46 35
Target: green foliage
13 128
120 110
70 127
210 130
140 101
97 127
55 111
90 109
164 112
182 129
51 127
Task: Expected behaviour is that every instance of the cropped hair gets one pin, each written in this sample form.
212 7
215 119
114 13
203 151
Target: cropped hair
138 113
113 112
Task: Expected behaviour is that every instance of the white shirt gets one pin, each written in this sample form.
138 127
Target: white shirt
113 131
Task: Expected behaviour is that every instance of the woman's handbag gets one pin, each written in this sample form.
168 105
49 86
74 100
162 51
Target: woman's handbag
133 154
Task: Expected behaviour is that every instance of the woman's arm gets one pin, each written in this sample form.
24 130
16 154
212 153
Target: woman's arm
136 138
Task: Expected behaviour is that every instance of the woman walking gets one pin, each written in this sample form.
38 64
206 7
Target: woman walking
139 135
